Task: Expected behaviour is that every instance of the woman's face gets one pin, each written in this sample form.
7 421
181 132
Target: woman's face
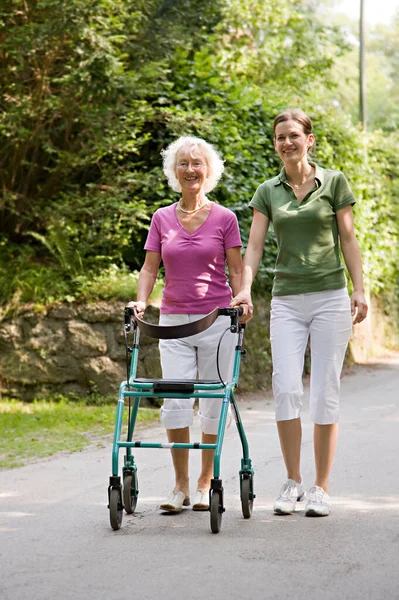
291 142
191 169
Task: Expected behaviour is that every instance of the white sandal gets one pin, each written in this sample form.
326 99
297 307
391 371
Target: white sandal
201 500
175 502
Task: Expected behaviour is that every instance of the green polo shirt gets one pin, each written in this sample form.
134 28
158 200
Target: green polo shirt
308 258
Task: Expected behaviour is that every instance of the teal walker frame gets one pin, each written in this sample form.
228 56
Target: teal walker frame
123 489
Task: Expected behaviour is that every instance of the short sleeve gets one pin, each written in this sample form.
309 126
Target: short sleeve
260 202
153 241
232 236
343 195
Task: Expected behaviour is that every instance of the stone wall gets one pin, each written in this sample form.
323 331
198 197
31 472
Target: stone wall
67 349
80 349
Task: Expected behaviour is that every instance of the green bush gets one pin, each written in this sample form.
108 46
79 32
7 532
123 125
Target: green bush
92 91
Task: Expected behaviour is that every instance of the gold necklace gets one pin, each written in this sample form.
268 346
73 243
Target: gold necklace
189 212
296 186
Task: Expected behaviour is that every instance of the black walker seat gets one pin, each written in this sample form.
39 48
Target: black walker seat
122 494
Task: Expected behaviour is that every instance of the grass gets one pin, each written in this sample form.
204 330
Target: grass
39 429
33 282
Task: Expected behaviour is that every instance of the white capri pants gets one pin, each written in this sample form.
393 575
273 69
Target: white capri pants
191 358
326 318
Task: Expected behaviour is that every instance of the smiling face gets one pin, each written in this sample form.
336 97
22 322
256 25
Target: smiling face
191 169
291 142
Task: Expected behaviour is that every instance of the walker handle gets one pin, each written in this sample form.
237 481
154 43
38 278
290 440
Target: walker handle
180 331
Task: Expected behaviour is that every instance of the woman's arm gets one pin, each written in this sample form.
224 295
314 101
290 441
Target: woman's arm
353 261
252 258
234 265
147 277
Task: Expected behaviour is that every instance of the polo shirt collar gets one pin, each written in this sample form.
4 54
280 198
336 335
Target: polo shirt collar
319 175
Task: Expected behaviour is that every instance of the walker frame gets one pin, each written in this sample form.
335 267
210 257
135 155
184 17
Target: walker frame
123 490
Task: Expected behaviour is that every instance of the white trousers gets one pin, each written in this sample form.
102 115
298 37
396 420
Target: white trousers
326 318
191 358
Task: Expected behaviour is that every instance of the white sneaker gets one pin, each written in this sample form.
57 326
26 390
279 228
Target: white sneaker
317 505
291 493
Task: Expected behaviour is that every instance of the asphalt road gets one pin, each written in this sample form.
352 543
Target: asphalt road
56 541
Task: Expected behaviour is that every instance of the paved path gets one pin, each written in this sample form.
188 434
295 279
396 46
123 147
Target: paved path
56 542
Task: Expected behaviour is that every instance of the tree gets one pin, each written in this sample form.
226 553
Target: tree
92 91
381 76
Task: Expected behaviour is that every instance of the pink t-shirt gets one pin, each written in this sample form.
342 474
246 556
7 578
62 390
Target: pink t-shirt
195 276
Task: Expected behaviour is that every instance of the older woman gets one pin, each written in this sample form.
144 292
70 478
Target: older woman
195 238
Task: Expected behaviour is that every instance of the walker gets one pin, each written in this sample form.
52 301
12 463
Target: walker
123 490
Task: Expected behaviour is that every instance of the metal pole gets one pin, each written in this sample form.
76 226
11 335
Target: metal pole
362 69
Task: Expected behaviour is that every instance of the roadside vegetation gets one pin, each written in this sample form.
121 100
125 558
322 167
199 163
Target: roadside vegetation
29 431
91 91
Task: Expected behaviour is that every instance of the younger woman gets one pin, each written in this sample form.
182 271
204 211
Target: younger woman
311 211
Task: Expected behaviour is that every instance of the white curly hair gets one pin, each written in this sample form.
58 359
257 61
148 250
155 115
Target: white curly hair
212 157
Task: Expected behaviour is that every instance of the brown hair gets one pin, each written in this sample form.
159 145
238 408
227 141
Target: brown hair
294 114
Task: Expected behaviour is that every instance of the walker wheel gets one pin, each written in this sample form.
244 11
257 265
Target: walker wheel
247 501
130 492
216 510
115 509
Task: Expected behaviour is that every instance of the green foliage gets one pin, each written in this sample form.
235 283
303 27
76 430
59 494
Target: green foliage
92 91
381 72
48 284
378 222
118 283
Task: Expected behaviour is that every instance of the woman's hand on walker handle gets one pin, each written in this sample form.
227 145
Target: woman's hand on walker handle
359 307
244 300
140 307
